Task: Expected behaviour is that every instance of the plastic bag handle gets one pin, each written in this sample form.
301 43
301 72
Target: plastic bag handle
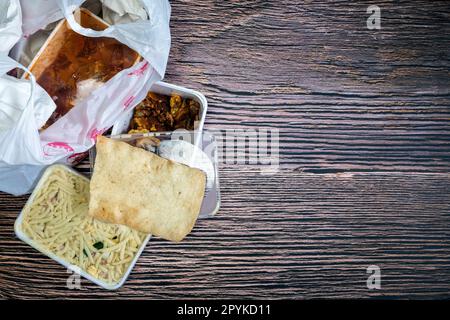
7 64
68 9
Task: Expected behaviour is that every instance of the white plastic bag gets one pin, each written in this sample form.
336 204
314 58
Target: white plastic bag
117 11
21 116
10 24
151 38
18 94
72 135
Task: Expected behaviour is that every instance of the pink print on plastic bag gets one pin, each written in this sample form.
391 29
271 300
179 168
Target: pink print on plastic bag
54 149
94 133
77 157
140 71
128 101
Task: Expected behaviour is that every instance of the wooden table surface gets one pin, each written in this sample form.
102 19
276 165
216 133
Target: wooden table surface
364 176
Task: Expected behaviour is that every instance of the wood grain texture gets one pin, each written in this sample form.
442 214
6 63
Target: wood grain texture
313 239
364 129
343 97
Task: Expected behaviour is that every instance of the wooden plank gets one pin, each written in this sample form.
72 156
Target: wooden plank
313 239
343 97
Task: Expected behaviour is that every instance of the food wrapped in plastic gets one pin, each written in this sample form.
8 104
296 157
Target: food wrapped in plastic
71 66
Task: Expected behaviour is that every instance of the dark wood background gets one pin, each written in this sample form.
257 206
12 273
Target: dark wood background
364 129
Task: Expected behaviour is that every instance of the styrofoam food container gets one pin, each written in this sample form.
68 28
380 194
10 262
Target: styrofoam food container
122 125
23 236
